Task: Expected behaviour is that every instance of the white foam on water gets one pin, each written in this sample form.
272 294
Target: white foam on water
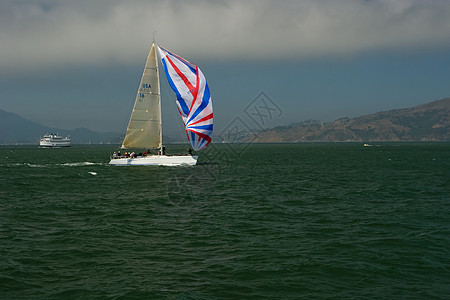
78 164
29 165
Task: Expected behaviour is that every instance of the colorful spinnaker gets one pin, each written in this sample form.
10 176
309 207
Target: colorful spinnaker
193 97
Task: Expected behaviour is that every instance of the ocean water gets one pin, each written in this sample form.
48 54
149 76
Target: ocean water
276 221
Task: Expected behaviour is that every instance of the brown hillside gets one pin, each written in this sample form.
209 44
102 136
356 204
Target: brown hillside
427 122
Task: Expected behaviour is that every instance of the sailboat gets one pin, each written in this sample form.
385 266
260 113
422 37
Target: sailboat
144 129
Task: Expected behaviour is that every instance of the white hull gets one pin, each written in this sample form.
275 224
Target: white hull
155 160
54 145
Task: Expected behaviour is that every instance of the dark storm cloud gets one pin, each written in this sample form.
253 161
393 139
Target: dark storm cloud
48 33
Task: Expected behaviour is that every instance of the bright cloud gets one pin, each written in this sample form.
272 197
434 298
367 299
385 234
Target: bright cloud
58 32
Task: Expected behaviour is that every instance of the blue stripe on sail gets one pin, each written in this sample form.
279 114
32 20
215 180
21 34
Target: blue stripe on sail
180 100
202 143
192 138
179 58
190 68
206 93
205 127
205 102
183 106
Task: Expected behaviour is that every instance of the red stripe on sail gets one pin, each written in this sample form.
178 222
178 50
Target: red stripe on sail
182 76
202 135
195 92
210 116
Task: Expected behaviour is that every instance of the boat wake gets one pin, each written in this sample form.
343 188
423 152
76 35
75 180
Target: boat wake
81 164
27 165
74 164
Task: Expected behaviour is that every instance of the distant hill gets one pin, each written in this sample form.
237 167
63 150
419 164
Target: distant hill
16 130
427 122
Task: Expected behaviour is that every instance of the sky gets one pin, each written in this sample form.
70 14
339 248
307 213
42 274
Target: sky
71 64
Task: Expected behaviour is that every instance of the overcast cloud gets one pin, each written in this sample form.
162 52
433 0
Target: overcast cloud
54 32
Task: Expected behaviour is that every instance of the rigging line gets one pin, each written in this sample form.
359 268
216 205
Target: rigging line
126 121
130 112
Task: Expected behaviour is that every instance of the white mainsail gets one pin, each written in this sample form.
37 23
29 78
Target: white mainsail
144 129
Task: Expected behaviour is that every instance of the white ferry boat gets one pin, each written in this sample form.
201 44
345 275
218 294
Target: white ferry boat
54 140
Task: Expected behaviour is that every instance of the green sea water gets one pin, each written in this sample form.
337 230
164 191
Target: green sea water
275 221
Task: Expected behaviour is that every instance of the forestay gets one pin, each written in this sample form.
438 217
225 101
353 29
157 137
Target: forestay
193 97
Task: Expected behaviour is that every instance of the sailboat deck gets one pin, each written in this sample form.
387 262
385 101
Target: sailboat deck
160 160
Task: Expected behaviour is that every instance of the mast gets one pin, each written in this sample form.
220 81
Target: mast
159 88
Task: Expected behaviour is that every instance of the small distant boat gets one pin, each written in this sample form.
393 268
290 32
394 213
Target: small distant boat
54 141
145 126
368 145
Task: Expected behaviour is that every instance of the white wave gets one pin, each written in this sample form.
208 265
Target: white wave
36 166
28 165
78 164
75 164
